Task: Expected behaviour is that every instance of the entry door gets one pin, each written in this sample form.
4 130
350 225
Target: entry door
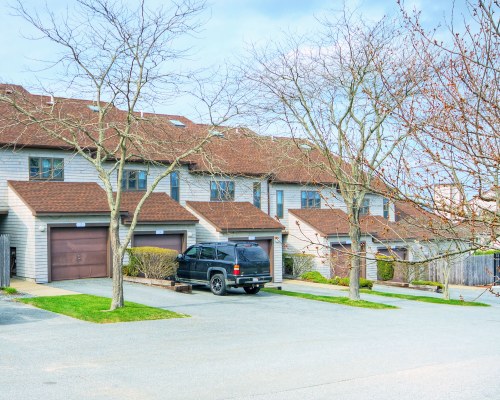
78 253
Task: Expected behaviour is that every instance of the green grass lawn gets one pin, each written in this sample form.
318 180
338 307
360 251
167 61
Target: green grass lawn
95 309
331 299
425 299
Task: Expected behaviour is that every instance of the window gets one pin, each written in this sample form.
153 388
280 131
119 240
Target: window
249 253
257 194
207 253
134 180
365 207
310 199
50 169
222 191
279 203
386 208
192 252
225 253
174 185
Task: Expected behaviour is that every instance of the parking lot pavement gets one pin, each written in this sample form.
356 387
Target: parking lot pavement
251 347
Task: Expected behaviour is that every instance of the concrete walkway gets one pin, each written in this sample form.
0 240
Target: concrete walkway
37 289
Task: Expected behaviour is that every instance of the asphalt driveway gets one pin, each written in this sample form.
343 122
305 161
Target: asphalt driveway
251 347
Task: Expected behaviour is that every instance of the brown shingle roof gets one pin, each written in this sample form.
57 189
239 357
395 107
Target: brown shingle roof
89 198
62 197
334 222
234 216
159 207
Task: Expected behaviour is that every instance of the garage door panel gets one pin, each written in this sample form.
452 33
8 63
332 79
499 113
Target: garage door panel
76 272
173 241
88 258
78 253
80 245
78 233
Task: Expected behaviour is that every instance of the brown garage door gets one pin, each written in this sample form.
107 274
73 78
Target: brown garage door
78 253
172 241
340 260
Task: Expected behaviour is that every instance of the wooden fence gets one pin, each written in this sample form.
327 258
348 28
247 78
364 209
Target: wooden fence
470 270
4 261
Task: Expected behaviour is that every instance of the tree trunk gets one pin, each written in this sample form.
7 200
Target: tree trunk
116 249
446 279
355 236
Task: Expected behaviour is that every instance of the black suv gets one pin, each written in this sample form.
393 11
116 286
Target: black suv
225 264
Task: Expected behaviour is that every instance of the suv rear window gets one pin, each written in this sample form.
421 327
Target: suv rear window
251 253
225 253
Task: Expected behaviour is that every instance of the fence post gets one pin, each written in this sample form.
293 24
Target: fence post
4 261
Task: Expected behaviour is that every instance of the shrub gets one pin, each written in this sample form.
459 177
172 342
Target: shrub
363 283
10 290
314 276
385 267
485 252
131 268
428 283
298 264
153 262
287 264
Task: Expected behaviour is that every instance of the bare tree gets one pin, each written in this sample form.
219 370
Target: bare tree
339 90
122 58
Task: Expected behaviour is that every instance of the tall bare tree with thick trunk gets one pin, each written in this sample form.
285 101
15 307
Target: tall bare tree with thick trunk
339 90
122 57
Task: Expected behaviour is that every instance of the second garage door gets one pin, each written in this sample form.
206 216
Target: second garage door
172 241
78 253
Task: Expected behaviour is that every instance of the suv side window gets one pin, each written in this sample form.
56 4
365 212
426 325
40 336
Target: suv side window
225 253
192 252
207 253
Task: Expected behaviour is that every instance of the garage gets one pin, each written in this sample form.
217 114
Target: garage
78 253
340 260
164 241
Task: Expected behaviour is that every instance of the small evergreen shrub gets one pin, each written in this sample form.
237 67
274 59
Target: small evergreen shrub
385 267
428 283
314 276
153 262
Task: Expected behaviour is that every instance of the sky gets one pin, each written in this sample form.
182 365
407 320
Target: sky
231 25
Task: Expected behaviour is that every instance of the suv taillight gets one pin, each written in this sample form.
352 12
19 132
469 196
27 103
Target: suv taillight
236 269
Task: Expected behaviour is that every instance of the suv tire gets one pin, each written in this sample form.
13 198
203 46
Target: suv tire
218 285
251 289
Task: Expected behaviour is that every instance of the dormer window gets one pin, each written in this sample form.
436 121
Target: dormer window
134 180
386 208
47 169
365 207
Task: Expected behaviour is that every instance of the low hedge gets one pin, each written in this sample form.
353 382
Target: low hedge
485 252
428 283
315 276
153 262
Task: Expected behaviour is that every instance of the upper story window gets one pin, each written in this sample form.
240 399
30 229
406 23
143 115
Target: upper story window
257 193
386 208
50 169
174 185
222 191
134 180
365 207
310 199
280 201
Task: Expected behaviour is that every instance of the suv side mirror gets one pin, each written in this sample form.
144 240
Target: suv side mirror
180 257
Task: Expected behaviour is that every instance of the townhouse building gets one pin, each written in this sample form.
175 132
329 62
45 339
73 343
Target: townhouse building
242 186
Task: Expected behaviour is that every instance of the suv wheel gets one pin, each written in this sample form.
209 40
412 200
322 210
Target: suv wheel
218 285
251 289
